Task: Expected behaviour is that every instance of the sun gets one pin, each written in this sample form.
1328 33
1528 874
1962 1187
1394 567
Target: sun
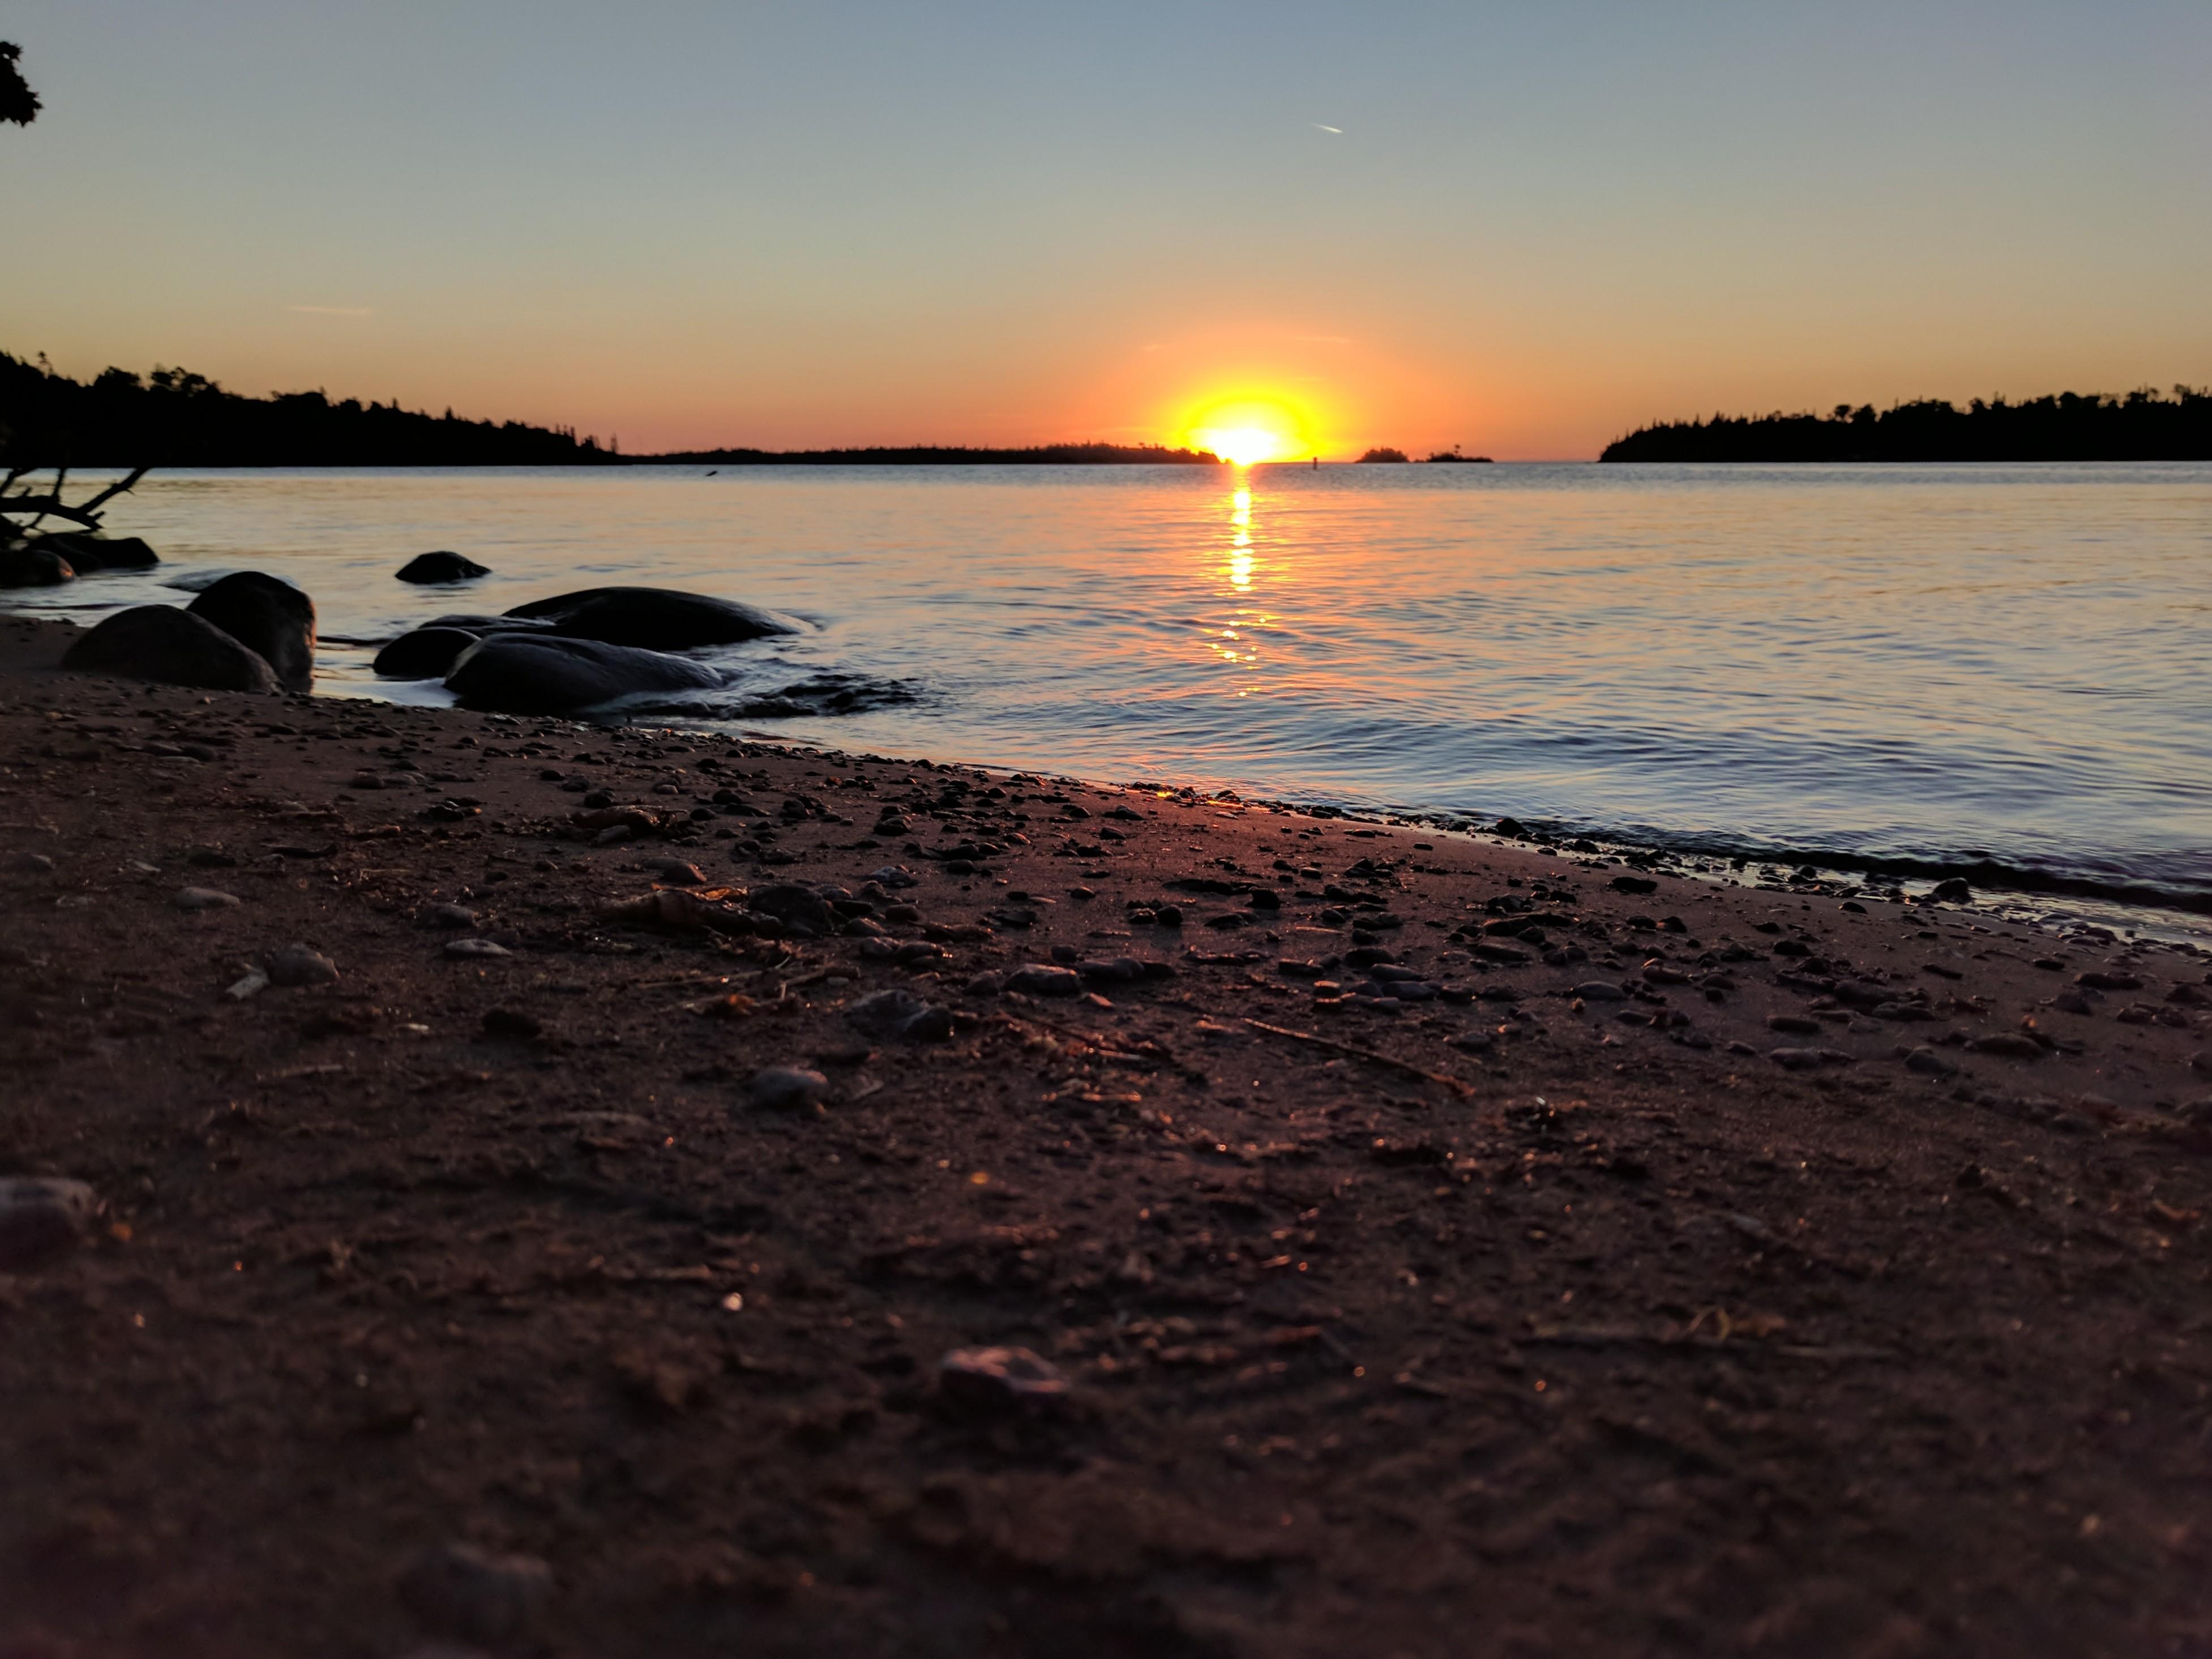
1246 429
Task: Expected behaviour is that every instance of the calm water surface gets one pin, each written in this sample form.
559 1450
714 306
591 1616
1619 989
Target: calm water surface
1923 661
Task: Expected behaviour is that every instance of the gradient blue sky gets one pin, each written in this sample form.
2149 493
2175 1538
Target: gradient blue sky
695 222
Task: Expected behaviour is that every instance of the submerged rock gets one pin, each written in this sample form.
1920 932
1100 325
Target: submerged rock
34 566
428 654
89 552
169 647
651 618
270 617
543 674
442 567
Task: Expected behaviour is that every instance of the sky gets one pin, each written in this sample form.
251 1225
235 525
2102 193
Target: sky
1522 229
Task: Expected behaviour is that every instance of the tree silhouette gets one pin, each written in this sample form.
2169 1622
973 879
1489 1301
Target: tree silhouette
18 103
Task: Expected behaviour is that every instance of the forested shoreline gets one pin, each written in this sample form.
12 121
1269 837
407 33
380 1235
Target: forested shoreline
2143 426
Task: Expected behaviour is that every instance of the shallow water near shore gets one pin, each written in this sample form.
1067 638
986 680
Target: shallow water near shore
1946 663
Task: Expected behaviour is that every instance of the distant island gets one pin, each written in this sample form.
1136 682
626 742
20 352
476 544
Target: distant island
941 455
2143 426
173 417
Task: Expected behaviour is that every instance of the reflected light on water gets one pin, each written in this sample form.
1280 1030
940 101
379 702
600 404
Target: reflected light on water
1240 539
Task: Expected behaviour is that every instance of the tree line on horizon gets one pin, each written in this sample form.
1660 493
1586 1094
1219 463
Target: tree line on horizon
174 417
2143 426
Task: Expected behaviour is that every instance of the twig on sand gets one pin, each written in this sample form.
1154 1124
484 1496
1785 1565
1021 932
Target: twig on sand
1350 1052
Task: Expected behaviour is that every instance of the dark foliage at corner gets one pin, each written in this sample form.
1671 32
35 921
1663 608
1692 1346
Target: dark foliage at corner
18 103
173 417
2143 426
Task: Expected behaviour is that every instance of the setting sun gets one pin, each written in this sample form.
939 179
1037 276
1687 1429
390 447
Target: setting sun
1244 430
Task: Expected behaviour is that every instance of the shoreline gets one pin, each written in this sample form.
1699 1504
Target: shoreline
1662 1264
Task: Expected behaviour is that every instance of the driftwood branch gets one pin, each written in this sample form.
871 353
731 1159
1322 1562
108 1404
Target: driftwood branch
85 514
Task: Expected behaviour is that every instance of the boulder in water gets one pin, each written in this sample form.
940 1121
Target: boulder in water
34 566
442 567
428 654
169 647
89 552
269 617
549 674
651 618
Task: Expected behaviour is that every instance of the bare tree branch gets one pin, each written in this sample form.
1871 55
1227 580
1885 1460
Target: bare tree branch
85 514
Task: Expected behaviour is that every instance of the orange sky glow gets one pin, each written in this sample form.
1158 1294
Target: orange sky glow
1519 231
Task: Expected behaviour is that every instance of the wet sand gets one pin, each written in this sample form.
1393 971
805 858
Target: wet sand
1790 1272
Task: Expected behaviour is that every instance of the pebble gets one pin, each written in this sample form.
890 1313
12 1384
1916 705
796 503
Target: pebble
41 1217
251 985
31 863
1793 1025
298 964
475 947
204 898
792 905
999 1377
785 1088
464 1591
511 1023
1037 979
677 872
2008 1045
449 915
900 1013
1596 990
1931 1062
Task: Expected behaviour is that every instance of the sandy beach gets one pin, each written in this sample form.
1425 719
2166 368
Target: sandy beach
605 1233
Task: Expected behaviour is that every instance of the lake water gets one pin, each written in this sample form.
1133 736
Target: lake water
1933 662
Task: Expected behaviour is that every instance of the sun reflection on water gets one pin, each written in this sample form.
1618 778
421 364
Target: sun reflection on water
1230 644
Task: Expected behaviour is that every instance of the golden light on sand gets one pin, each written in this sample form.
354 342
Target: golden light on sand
1245 429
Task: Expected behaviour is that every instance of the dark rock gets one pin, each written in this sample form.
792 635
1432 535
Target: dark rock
1793 1025
1797 1059
270 617
513 673
297 965
31 863
785 1089
34 566
1038 979
472 1595
2008 1045
651 618
169 647
448 916
1952 890
996 1379
40 1217
2100 980
428 654
898 1013
1600 990
792 905
511 1023
1931 1062
89 552
475 947
1633 884
203 898
442 567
